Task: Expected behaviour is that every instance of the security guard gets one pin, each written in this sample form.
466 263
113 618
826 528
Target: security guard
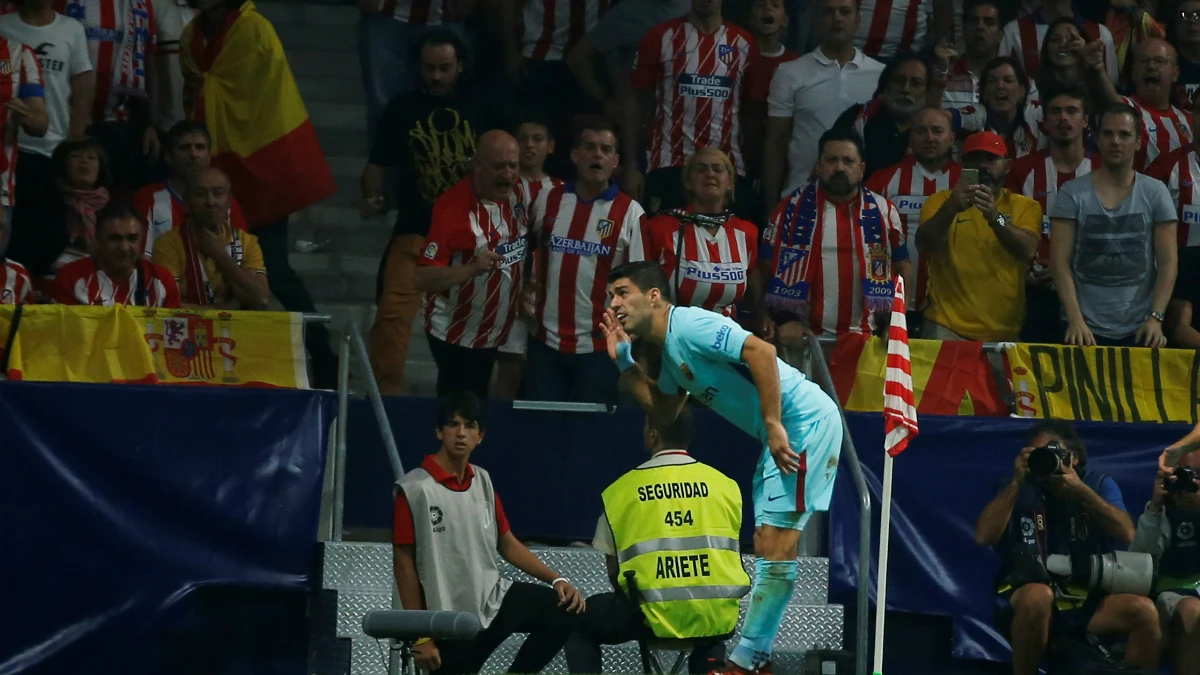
674 523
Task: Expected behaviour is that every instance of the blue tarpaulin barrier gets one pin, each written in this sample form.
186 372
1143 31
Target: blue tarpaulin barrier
120 502
549 470
940 486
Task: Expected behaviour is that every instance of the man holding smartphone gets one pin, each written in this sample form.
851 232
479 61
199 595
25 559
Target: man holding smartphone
979 239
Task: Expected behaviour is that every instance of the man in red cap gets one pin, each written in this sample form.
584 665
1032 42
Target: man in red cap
979 238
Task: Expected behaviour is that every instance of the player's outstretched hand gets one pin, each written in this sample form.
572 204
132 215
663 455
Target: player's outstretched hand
613 333
781 449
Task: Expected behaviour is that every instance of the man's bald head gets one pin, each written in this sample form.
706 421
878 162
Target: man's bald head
495 165
1155 71
209 194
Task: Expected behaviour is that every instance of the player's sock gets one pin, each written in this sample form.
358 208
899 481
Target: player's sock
774 581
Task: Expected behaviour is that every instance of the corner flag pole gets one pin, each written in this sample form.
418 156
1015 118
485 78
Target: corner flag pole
900 425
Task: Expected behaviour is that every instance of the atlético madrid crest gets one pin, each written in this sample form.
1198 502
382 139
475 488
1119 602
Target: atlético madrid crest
726 53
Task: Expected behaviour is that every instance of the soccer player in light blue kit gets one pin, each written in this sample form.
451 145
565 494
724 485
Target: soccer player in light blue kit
738 375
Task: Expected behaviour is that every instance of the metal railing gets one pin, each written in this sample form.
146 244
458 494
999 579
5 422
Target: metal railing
351 339
824 378
990 347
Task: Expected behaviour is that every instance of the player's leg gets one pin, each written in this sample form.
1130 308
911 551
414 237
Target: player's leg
782 507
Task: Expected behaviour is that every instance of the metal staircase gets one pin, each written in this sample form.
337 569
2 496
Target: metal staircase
357 578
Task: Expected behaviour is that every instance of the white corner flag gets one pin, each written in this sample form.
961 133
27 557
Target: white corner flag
900 426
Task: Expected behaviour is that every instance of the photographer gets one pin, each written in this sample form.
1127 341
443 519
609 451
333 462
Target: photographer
1167 530
1054 505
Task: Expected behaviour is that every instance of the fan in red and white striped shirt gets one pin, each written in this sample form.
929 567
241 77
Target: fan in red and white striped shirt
116 273
20 78
551 28
1040 176
536 144
908 184
122 36
890 26
479 312
84 283
1023 39
697 79
832 248
1165 128
16 287
1181 172
579 242
836 296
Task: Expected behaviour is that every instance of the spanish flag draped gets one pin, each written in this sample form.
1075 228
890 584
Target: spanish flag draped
948 378
61 343
241 87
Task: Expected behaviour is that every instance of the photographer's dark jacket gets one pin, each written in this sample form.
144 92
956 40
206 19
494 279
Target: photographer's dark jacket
1172 536
1042 525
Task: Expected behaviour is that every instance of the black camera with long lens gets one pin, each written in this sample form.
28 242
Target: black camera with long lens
1185 481
1048 460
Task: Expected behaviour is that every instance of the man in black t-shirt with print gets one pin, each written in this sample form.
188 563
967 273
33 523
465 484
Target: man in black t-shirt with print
422 147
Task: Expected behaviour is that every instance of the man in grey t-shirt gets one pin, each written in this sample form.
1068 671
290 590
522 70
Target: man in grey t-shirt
1112 244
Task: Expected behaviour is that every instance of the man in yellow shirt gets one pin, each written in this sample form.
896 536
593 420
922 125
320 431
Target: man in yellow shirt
979 239
215 265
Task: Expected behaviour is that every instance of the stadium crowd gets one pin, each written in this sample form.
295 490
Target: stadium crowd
781 177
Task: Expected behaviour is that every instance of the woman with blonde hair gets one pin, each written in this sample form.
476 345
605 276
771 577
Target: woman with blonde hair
708 253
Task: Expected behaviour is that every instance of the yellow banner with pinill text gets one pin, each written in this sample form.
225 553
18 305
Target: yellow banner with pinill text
57 343
1104 384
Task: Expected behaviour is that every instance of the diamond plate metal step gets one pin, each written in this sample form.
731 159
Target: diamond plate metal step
361 576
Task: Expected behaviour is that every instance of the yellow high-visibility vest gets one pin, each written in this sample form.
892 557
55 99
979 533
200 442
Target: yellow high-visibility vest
676 527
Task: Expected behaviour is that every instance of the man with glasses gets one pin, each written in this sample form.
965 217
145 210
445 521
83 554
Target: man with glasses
1164 127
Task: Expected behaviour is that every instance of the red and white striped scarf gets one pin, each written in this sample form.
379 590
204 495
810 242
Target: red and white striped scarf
899 411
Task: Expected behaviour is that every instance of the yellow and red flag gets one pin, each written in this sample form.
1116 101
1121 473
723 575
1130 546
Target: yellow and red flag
61 343
241 87
948 378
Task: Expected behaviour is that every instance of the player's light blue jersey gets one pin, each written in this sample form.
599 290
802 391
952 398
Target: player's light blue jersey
703 354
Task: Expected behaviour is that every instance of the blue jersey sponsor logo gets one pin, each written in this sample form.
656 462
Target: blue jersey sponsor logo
722 339
705 86
1191 214
560 244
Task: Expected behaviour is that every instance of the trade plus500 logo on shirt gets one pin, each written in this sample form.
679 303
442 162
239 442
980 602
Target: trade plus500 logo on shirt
705 86
1191 214
714 272
910 205
513 252
560 244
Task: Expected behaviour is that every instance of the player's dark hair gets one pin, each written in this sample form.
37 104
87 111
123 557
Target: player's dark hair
1122 109
842 134
595 124
115 210
1063 431
464 405
646 275
677 433
184 128
901 58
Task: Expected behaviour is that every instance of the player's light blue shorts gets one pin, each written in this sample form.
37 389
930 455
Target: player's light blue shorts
789 501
